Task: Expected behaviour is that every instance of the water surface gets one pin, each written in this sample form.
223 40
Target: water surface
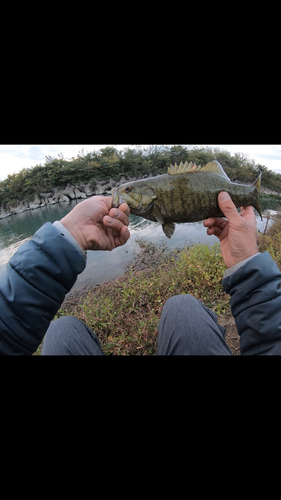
102 266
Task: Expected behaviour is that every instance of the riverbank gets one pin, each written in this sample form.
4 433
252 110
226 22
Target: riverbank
82 191
125 312
71 192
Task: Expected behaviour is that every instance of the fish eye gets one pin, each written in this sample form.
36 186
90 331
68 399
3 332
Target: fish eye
127 189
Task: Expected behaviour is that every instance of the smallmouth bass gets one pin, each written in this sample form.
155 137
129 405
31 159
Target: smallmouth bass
187 193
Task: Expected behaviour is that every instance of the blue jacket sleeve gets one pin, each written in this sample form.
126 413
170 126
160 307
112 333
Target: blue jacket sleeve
255 290
33 288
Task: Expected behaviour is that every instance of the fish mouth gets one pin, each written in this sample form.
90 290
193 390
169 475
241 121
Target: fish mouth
141 211
117 198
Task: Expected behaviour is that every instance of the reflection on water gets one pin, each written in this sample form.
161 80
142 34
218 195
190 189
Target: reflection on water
20 226
102 266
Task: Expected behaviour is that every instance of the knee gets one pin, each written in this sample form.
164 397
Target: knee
66 335
66 327
174 326
177 303
58 337
177 312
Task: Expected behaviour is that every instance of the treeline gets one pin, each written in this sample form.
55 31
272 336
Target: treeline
109 163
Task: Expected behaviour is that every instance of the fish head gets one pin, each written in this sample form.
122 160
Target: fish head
137 195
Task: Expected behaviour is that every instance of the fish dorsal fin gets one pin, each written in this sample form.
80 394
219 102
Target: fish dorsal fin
213 167
182 168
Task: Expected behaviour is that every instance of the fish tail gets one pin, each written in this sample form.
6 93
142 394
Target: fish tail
257 184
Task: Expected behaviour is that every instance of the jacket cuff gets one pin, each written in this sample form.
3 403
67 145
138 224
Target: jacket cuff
234 268
69 236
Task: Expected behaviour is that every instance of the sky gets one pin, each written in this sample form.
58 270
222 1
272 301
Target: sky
14 158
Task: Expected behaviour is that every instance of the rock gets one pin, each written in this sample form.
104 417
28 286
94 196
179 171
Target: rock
99 189
26 206
16 210
122 180
46 195
68 191
56 195
79 194
87 189
112 183
63 198
34 205
265 190
51 201
4 213
101 183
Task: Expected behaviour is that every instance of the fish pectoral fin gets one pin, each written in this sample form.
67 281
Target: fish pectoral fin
157 214
169 229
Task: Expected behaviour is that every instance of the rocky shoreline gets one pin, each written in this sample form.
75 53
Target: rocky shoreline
66 195
79 191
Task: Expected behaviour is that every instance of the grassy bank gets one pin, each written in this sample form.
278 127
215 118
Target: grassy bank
124 313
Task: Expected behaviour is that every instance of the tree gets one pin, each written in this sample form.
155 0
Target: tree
132 161
49 159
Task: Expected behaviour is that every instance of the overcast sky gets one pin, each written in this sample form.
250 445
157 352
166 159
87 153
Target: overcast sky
13 158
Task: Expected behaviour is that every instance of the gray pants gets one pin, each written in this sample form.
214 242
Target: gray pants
186 326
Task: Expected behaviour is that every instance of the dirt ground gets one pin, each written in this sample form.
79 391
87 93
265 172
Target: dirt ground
231 336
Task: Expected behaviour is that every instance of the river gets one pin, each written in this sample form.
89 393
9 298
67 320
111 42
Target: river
102 266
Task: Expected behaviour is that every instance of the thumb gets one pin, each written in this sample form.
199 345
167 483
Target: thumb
227 206
108 200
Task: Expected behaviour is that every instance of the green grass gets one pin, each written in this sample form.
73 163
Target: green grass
125 312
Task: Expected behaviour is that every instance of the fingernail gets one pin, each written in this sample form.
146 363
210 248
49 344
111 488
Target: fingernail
224 196
115 212
110 220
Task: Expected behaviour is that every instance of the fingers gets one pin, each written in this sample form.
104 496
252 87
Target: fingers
108 200
125 208
247 212
118 221
117 213
214 230
124 236
227 206
216 226
215 221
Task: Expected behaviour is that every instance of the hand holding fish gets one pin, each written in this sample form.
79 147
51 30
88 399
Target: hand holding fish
96 225
238 234
187 193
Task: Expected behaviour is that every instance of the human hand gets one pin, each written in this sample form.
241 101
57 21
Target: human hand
96 225
237 235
